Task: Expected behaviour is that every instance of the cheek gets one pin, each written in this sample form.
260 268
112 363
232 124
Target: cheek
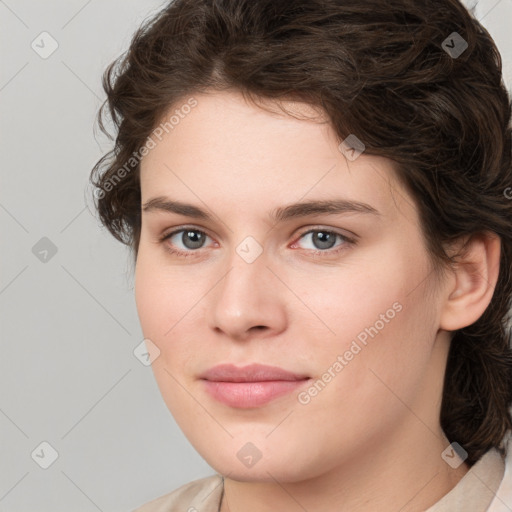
369 371
157 300
350 300
166 300
148 298
379 317
158 307
158 294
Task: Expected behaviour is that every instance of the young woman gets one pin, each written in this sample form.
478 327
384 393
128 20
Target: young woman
318 198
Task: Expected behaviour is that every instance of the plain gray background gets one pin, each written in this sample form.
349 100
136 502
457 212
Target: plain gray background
68 375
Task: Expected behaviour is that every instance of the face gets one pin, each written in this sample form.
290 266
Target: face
342 298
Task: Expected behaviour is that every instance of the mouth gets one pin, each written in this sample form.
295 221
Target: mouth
250 386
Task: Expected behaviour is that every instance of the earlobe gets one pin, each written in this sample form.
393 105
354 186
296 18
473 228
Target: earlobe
476 273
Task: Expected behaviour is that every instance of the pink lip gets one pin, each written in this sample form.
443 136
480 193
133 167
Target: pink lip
251 386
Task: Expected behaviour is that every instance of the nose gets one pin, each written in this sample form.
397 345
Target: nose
248 301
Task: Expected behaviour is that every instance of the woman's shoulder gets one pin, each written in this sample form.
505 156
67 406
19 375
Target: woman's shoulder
199 495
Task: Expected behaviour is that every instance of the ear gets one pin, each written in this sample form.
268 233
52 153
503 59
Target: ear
472 284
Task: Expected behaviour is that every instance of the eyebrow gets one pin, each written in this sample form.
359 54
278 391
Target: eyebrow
280 214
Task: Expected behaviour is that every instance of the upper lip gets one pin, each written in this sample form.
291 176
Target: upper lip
251 373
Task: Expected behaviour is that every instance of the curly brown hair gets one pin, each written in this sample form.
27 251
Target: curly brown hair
381 69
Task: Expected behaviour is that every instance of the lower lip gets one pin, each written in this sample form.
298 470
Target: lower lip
250 394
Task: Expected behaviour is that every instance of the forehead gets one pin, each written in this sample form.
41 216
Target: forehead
230 148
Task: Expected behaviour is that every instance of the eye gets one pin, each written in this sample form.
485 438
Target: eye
190 239
323 240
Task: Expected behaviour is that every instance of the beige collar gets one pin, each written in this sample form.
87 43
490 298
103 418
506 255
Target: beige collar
476 490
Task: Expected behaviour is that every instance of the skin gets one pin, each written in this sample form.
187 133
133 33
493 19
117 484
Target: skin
371 439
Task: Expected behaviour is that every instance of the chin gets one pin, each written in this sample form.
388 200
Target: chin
261 474
281 468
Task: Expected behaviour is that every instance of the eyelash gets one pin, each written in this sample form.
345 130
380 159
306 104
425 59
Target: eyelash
315 253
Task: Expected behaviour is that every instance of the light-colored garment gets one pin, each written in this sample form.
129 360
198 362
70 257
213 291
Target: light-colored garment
474 492
198 496
503 500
